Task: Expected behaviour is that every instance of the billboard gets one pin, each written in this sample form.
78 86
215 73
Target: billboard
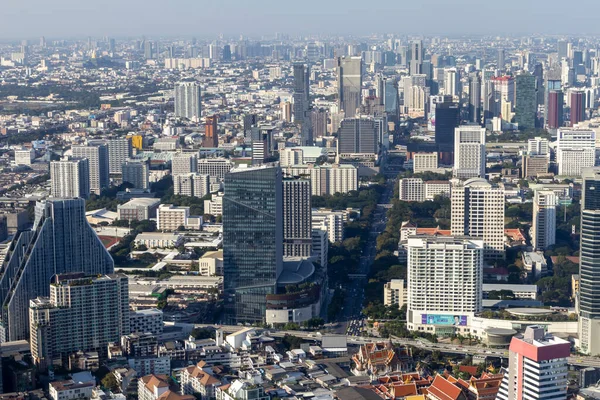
435 319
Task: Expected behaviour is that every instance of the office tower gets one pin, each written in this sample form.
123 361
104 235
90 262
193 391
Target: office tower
503 93
589 263
184 163
474 98
577 107
349 84
526 102
319 123
451 82
191 184
532 166
97 156
81 314
188 102
478 211
148 50
500 60
70 178
226 53
119 150
297 218
262 143
252 240
575 151
543 230
301 93
211 135
447 119
43 42
137 173
215 167
537 367
61 241
538 146
417 54
469 152
358 136
445 276
563 49
112 45
554 112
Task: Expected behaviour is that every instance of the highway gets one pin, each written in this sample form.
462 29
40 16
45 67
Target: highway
575 360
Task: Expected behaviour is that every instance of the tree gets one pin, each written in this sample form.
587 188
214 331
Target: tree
202 333
110 382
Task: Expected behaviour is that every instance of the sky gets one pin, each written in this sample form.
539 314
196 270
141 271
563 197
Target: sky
209 18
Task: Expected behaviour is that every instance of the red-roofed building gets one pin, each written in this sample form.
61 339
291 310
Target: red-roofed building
443 389
376 359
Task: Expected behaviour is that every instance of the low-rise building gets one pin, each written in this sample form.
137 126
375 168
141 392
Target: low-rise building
194 380
150 320
524 292
535 263
158 240
138 209
211 263
70 390
394 293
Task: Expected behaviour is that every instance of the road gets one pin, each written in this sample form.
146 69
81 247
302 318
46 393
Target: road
352 320
575 360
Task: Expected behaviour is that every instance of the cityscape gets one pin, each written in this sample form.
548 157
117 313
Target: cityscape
290 215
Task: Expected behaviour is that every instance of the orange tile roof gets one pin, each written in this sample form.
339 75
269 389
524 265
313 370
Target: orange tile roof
442 389
155 381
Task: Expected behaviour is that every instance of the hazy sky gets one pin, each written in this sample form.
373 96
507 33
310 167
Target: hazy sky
54 18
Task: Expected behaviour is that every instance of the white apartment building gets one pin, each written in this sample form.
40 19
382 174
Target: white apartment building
191 184
444 283
169 217
195 380
424 162
575 150
478 211
146 321
300 155
215 167
538 147
412 189
184 163
537 367
328 178
70 390
320 246
70 177
24 157
436 188
330 221
543 229
151 387
395 293
214 206
469 151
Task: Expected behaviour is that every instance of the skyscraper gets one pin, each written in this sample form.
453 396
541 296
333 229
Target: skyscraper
543 230
474 98
554 110
439 269
297 218
575 150
119 150
589 263
577 107
563 49
349 84
447 119
358 136
61 241
417 54
451 82
301 94
188 100
81 314
478 211
526 103
97 155
252 240
70 177
500 60
537 367
211 136
469 151
137 173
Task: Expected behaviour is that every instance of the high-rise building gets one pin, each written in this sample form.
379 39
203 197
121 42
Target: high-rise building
478 211
252 240
442 268
215 167
97 155
474 98
319 123
503 95
555 111
417 54
327 178
543 229
188 102
537 367
61 241
562 47
301 93
297 218
451 82
70 177
538 146
262 143
148 50
349 84
526 102
81 314
501 59
589 263
532 166
447 119
119 150
575 151
469 151
358 136
211 135
184 163
137 173
191 184
577 107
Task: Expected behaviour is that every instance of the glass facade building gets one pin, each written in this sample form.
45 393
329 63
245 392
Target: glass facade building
526 104
252 240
